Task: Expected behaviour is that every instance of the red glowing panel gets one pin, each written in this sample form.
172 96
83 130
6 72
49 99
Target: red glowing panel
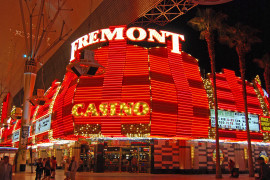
200 103
5 104
163 92
60 126
225 96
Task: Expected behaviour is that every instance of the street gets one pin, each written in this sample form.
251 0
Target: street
128 176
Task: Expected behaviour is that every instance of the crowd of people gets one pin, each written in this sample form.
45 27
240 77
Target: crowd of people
46 168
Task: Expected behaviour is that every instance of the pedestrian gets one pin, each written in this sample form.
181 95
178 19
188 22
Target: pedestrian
47 169
39 169
134 163
43 163
5 169
92 164
231 166
129 163
53 166
80 165
73 168
67 172
264 172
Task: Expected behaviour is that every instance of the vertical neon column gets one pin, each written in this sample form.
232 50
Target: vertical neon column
184 97
112 86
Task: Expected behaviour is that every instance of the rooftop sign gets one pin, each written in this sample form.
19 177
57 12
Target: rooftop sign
122 33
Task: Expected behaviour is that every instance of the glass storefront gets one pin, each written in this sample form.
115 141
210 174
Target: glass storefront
127 159
115 156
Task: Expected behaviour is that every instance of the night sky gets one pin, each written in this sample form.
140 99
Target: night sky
255 13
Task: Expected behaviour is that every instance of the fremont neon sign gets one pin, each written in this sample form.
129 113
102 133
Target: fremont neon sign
111 109
121 33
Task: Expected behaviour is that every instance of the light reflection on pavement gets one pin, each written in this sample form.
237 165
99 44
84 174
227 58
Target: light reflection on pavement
127 176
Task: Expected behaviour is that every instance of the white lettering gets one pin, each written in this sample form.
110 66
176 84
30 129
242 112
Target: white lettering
93 37
175 41
154 34
74 47
117 33
83 41
130 34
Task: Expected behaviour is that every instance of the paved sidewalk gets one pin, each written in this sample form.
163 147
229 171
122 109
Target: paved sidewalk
128 176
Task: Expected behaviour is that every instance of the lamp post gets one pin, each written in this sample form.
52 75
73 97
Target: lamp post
30 72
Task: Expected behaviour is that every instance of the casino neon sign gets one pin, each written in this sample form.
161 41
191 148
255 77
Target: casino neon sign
121 33
111 109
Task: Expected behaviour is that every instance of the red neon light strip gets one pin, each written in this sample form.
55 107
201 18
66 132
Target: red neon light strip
200 121
163 95
112 87
184 96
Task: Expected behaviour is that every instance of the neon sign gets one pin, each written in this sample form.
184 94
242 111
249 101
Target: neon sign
265 124
111 109
121 33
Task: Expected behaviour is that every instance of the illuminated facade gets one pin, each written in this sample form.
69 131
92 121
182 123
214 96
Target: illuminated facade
147 100
153 89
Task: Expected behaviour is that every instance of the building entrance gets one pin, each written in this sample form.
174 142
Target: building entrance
127 159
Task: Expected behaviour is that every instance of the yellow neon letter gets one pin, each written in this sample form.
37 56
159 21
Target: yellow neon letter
75 110
145 108
103 108
91 109
113 109
126 109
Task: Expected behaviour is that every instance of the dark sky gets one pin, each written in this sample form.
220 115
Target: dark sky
255 13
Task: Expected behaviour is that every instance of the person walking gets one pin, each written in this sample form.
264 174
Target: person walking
39 169
47 169
53 167
231 166
134 163
43 165
73 168
67 172
5 169
264 172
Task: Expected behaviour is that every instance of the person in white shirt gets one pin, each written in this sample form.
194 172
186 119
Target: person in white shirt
5 169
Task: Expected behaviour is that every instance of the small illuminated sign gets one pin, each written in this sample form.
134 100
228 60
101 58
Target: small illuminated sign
111 109
264 155
121 33
16 135
220 154
234 120
43 125
265 123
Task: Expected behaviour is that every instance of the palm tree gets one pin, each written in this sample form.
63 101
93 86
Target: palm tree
241 37
208 22
265 64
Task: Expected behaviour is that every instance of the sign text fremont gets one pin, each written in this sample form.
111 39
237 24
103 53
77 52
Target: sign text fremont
121 33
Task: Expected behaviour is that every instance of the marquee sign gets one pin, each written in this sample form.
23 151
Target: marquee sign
43 125
265 123
117 33
234 120
111 109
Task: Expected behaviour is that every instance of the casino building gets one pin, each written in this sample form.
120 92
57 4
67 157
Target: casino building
151 104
